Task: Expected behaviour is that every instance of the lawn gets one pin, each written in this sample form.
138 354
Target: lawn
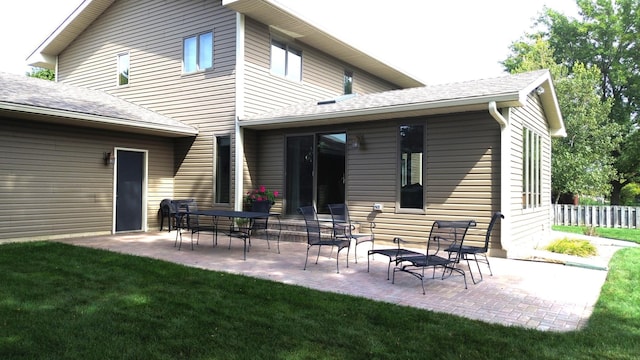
610 233
58 301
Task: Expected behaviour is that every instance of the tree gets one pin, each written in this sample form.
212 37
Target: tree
607 37
582 161
41 73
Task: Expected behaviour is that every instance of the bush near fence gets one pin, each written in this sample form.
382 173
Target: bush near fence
597 216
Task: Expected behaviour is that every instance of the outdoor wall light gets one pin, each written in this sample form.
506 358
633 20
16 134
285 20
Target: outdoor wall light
108 158
539 90
356 141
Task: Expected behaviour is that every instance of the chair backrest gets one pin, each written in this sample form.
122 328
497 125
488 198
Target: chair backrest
263 207
312 224
494 219
191 205
446 238
340 219
166 207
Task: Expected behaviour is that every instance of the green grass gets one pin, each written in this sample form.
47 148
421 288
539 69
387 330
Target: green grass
582 248
63 302
632 235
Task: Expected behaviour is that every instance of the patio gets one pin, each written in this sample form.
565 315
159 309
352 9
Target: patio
532 294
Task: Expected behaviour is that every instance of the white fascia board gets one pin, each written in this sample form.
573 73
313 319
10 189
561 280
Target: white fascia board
504 101
97 121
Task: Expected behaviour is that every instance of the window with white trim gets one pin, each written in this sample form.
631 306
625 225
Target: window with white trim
411 140
123 69
531 169
348 82
286 61
197 53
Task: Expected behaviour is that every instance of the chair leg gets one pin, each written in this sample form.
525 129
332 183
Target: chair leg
488 265
306 259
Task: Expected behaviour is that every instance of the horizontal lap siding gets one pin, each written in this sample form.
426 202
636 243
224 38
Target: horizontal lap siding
322 77
153 31
53 181
462 172
529 226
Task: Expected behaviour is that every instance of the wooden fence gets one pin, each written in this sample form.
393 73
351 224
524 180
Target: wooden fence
597 216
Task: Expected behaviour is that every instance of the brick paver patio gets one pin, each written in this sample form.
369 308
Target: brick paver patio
539 295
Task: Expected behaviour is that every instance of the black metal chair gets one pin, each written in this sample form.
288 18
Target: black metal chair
167 211
315 238
443 251
343 228
246 228
187 218
466 251
391 253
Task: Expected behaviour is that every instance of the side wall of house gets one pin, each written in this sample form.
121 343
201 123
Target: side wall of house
322 75
54 182
462 168
153 33
529 226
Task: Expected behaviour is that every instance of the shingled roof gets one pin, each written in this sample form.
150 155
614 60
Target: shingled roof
30 98
505 91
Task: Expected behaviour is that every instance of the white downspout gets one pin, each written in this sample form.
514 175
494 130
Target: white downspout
505 172
239 105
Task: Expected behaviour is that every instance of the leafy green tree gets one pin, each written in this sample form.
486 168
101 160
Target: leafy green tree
41 73
582 161
606 37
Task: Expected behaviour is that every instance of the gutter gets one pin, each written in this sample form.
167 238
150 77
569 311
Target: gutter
493 110
505 170
476 103
98 121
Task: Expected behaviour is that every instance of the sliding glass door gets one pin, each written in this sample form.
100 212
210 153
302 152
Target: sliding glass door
315 171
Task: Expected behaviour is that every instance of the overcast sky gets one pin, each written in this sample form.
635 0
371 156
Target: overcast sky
434 41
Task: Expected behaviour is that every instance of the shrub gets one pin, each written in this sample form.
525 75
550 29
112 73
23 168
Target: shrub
582 248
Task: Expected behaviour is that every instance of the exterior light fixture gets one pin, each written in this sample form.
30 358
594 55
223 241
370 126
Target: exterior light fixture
356 141
108 158
539 90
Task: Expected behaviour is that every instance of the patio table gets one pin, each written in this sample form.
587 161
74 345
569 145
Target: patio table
231 215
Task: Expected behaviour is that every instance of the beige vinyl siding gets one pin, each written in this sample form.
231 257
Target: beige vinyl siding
462 172
153 33
55 183
529 226
322 75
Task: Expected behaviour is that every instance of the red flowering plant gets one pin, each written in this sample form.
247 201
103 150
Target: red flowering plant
261 194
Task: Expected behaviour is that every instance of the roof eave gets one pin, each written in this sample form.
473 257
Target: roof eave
383 112
57 116
550 104
275 15
45 54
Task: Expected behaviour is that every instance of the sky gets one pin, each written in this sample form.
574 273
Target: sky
434 41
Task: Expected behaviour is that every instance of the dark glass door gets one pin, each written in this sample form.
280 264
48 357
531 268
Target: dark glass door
330 168
315 171
129 190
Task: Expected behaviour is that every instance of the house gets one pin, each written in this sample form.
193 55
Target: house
207 99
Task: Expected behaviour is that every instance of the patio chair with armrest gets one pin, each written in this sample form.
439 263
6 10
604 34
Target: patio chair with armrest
245 230
391 253
343 228
443 251
316 238
190 220
466 251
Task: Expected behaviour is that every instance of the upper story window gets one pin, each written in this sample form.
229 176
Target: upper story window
348 82
123 69
286 61
531 172
198 53
411 174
